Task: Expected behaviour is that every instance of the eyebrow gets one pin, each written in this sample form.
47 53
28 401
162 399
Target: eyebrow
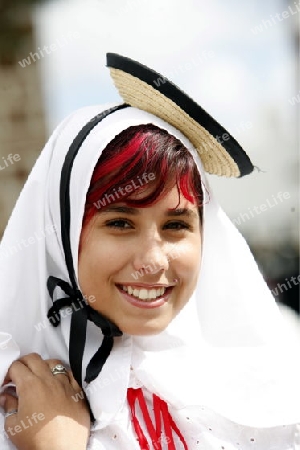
134 211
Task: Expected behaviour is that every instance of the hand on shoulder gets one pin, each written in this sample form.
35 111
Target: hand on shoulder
48 411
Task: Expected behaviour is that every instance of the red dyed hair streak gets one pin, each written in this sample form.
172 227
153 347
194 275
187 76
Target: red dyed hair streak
130 158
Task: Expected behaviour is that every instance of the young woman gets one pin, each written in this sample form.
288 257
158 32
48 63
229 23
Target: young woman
133 315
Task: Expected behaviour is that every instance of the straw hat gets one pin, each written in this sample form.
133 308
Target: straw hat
150 91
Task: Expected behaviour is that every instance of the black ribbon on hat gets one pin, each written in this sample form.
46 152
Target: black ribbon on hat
81 311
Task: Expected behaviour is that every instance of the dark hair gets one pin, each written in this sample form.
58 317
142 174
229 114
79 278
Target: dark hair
136 151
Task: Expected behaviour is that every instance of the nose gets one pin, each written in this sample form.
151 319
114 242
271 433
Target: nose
151 256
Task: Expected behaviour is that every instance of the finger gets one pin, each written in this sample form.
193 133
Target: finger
11 403
52 363
42 368
7 378
64 376
10 406
35 364
71 380
19 374
10 390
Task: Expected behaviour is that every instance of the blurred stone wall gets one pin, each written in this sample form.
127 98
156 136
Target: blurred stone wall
22 124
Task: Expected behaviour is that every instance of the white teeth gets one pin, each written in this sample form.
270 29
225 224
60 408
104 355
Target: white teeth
152 293
144 294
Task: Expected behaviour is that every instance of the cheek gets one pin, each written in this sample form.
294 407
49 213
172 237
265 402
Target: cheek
187 257
190 268
97 264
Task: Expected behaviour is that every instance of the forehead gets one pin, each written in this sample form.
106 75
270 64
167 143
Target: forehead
173 203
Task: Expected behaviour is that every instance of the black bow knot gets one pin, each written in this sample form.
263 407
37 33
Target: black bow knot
74 300
81 313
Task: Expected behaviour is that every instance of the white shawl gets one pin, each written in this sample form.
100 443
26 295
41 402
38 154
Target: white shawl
226 360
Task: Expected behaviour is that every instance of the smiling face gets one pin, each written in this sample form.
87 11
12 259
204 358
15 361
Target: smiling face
130 257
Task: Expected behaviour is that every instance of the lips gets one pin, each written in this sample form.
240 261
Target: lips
139 297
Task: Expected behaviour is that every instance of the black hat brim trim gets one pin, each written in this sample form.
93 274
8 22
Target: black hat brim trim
189 106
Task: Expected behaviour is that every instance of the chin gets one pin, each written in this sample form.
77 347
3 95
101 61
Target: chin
148 329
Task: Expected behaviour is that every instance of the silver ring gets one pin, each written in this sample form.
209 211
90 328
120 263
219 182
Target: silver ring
59 369
10 413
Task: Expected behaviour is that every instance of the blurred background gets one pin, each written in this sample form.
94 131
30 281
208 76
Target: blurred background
237 59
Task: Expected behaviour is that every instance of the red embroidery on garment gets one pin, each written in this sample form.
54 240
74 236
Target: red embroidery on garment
161 411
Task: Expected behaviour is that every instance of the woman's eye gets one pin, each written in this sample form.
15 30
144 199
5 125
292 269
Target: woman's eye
178 226
120 224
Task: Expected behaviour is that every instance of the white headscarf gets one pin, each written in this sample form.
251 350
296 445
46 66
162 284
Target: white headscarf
226 358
